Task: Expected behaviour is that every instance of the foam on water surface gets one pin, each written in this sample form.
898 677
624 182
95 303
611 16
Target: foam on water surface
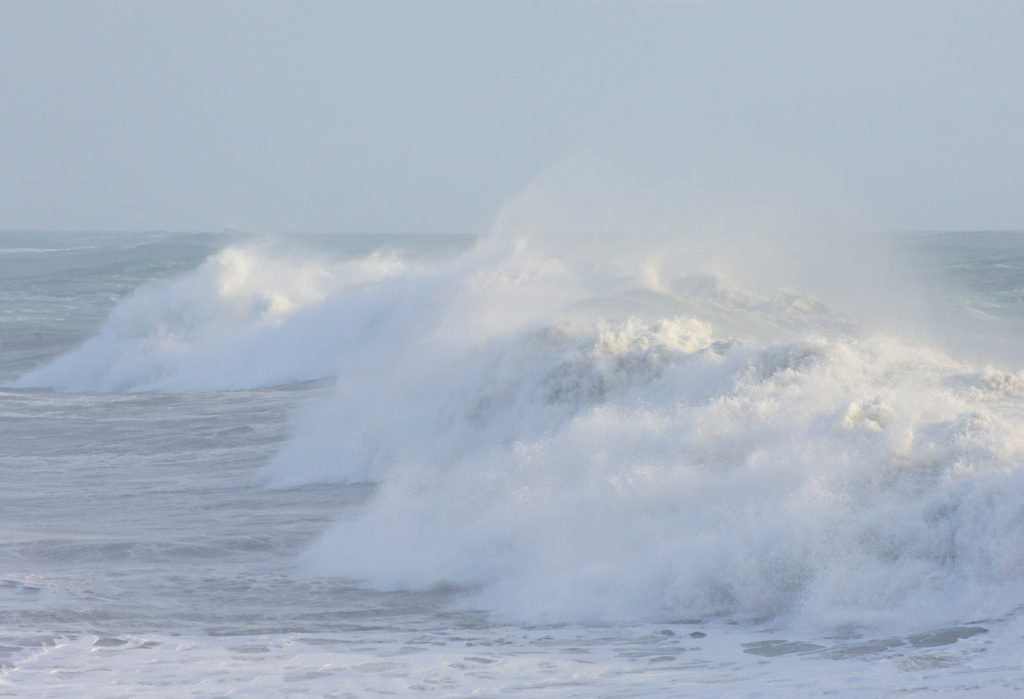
666 660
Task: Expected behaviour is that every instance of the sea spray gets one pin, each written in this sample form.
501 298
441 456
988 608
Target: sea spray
629 470
689 451
594 438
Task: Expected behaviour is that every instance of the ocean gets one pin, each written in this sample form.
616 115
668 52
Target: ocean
361 465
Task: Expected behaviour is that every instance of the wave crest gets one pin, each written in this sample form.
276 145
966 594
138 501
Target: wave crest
247 317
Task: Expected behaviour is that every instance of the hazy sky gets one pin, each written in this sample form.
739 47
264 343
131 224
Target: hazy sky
427 116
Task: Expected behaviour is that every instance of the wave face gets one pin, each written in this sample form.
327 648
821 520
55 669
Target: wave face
571 440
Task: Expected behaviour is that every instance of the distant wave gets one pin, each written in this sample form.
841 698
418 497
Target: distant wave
252 315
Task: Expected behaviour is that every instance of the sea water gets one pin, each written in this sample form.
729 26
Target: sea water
441 465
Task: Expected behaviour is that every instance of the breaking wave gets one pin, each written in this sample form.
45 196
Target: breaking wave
565 439
252 315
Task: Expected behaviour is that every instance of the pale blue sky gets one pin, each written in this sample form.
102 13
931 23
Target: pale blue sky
429 116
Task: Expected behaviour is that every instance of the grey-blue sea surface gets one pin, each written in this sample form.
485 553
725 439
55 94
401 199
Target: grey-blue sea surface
139 557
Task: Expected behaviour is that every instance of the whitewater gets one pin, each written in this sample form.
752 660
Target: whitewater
556 465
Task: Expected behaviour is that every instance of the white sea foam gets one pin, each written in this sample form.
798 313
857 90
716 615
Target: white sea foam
596 438
643 464
569 662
